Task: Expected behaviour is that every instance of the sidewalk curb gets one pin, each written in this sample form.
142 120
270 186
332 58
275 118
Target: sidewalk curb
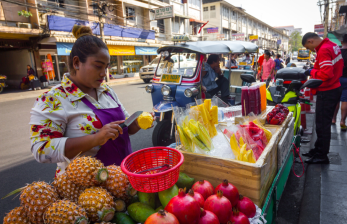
32 94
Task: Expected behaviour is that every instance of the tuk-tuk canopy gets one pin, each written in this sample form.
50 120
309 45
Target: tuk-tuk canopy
211 47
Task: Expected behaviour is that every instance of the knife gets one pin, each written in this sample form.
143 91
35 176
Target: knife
130 119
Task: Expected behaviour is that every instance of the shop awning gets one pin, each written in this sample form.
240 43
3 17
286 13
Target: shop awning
60 39
129 43
182 16
196 21
334 39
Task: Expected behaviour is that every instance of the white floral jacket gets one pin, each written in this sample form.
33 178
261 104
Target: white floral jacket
60 114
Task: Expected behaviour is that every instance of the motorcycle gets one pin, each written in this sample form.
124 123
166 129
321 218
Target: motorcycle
289 97
3 79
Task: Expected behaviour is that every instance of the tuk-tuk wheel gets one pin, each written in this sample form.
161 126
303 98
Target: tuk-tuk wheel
1 89
147 80
161 134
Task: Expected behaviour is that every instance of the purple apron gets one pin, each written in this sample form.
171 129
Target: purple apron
113 151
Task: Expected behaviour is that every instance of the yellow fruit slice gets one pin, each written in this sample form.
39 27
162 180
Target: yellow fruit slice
185 141
145 120
234 147
241 142
214 115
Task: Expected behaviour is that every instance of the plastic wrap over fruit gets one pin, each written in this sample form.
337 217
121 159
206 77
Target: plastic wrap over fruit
145 120
258 218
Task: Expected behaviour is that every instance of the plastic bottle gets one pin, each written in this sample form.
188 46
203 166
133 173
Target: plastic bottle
253 107
245 101
263 95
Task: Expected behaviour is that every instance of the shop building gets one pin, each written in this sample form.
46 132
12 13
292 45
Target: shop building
228 22
17 38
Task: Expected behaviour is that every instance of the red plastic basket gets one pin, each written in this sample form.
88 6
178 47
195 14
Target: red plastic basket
148 158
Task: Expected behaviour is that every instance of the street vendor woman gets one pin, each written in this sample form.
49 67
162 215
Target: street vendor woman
82 114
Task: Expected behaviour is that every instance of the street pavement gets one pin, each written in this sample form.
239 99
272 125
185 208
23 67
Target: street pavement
17 165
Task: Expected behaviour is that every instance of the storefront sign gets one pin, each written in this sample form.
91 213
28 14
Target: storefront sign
253 38
165 12
279 41
64 48
319 28
212 30
121 50
146 50
239 36
180 38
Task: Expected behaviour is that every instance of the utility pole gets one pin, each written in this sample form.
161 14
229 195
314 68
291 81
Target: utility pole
326 18
101 6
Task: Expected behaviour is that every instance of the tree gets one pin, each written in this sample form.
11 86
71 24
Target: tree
295 40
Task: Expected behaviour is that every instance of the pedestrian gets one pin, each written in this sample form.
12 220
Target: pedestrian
82 115
343 82
328 68
232 63
288 59
30 76
260 63
213 80
278 62
267 69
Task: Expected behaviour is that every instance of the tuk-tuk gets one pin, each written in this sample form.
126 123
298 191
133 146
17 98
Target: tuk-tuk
178 83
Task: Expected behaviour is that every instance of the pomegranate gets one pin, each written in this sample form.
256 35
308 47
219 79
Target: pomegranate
246 206
219 205
238 217
229 191
203 187
207 217
198 197
184 207
162 217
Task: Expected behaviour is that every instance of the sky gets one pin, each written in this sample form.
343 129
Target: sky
300 13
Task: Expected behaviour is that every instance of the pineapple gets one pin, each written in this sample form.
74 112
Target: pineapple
98 203
66 189
86 171
117 182
145 120
16 216
65 211
35 198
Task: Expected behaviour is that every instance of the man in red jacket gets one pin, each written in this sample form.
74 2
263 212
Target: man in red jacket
328 68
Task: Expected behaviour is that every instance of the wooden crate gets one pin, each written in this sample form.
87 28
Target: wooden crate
251 179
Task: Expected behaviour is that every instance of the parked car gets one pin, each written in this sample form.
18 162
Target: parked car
147 72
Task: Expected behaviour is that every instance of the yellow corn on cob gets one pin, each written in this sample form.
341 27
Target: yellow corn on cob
268 133
184 139
234 147
214 115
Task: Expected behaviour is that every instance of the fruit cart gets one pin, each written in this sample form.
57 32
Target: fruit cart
274 196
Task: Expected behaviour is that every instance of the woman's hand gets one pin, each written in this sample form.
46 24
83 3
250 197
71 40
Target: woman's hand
107 132
203 88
